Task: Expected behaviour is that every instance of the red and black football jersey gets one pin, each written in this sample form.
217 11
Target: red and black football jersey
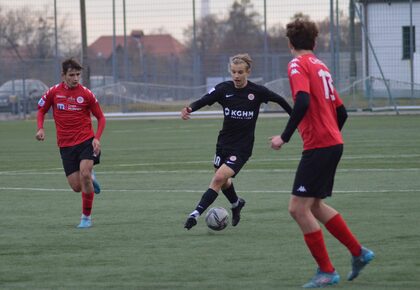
72 108
319 127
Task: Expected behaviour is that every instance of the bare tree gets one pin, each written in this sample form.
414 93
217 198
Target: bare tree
243 28
277 39
15 30
30 33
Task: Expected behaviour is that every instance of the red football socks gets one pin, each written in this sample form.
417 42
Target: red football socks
339 229
87 201
316 244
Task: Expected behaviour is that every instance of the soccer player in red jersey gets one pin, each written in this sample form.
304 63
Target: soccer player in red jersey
319 114
80 147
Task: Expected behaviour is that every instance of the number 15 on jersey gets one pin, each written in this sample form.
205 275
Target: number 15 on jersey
328 84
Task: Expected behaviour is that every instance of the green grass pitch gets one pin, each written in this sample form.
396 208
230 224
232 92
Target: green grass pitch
153 172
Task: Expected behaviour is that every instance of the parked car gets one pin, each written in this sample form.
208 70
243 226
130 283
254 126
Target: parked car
14 98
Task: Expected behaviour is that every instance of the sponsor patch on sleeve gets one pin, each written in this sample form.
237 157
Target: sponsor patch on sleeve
41 102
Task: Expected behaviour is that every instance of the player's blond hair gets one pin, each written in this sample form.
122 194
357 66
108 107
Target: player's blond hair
241 58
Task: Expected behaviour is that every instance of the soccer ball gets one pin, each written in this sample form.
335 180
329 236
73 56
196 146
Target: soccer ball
217 218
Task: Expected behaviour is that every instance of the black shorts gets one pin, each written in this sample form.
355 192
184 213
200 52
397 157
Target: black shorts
316 172
232 159
72 155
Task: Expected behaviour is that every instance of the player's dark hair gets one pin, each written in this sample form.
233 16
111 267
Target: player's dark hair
70 63
302 34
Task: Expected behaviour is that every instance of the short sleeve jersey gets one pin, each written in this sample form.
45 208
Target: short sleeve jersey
319 127
72 109
240 108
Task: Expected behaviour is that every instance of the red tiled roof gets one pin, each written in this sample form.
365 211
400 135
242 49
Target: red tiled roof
10 54
162 45
155 44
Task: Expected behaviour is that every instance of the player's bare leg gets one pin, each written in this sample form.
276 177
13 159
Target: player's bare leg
74 181
85 177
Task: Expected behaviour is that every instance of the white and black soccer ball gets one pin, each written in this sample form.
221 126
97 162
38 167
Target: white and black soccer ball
217 218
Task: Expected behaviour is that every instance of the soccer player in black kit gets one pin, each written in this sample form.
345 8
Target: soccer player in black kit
241 100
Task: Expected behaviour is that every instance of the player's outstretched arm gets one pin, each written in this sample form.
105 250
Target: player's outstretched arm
273 97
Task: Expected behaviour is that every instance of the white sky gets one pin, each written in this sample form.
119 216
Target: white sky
173 16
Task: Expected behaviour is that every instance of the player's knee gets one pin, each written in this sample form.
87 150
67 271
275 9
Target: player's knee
227 184
85 175
295 213
76 187
219 179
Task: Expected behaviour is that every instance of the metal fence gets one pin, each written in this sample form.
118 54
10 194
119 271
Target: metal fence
154 51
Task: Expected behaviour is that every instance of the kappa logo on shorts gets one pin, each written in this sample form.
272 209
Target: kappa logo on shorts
301 189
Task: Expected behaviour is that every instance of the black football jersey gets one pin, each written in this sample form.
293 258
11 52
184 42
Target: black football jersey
240 109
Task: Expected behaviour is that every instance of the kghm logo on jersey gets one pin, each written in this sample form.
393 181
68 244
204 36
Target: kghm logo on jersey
238 114
80 100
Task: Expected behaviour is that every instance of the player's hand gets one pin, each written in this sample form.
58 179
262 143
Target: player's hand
40 135
276 142
185 113
96 147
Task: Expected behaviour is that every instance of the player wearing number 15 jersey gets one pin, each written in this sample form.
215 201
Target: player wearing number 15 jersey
319 128
319 114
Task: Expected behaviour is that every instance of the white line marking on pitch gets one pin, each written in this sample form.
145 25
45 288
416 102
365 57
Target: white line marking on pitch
188 171
193 191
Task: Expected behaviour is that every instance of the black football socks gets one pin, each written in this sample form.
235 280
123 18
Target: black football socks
206 200
230 194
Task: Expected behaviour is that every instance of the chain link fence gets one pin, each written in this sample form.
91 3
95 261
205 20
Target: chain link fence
144 56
